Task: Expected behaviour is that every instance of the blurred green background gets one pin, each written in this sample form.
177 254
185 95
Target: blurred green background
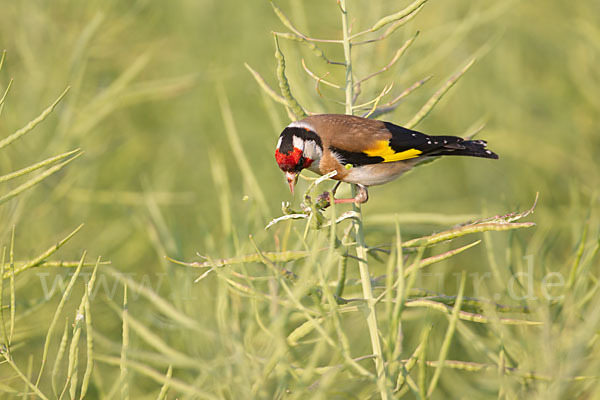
159 177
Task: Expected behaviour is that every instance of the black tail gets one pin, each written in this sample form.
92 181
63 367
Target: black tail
459 147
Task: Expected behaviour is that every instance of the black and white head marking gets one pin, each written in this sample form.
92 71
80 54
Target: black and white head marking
301 135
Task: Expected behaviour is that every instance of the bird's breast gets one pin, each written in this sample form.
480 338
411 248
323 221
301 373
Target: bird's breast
329 163
377 174
368 175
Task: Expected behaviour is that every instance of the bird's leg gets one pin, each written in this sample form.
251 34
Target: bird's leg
362 196
335 188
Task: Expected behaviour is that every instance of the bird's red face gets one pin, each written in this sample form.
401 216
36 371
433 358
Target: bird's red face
292 163
297 149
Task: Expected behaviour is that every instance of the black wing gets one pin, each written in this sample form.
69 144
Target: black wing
404 139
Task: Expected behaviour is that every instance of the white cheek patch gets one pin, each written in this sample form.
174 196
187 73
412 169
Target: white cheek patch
298 143
301 124
312 150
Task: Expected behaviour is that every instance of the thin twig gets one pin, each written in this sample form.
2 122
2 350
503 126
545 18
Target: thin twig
393 104
390 29
376 100
398 16
319 79
263 84
313 47
433 100
288 24
394 59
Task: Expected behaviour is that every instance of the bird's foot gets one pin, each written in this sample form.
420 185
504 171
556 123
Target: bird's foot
324 200
362 195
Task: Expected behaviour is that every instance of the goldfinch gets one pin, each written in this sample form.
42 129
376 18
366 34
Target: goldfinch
362 151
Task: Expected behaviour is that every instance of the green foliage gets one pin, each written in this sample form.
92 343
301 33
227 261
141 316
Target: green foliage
178 141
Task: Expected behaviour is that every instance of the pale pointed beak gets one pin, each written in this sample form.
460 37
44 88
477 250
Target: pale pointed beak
292 178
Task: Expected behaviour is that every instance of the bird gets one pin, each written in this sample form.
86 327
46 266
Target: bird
365 152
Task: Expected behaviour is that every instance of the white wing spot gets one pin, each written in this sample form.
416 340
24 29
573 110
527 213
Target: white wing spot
488 152
429 142
445 141
414 135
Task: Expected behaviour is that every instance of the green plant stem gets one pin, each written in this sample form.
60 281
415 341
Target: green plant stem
24 378
348 58
361 248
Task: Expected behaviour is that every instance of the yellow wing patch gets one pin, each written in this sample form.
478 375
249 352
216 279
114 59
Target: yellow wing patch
382 149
